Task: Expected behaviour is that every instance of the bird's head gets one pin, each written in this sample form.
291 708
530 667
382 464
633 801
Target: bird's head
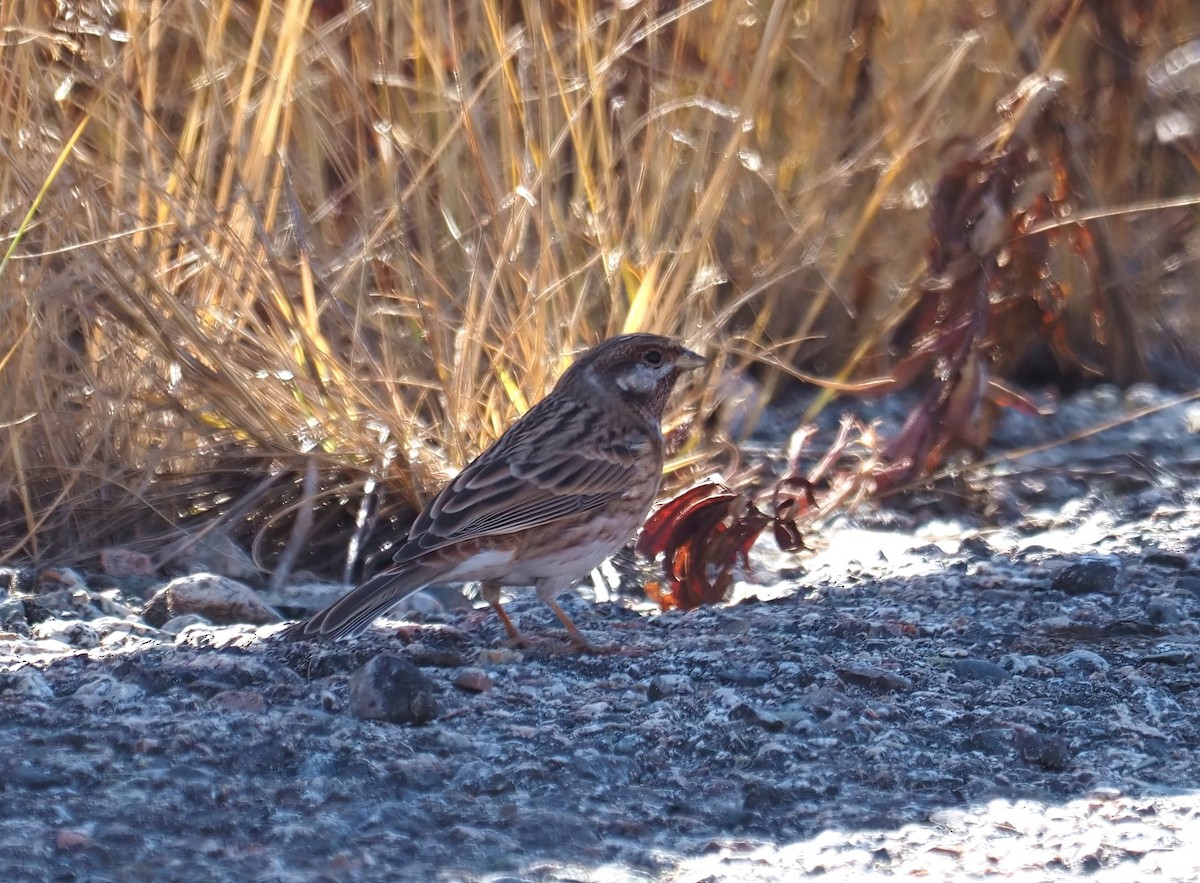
639 369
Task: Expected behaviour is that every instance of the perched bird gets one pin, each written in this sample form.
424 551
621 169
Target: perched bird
562 489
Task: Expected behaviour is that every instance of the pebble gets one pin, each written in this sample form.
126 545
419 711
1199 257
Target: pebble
125 563
392 689
240 700
669 685
1084 660
1091 574
219 599
877 680
1168 656
72 632
27 682
473 680
752 676
980 670
107 691
1163 611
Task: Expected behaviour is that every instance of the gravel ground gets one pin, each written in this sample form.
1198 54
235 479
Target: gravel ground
1001 685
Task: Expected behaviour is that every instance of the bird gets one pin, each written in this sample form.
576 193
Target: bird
564 487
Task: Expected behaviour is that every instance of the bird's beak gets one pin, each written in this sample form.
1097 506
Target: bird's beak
688 360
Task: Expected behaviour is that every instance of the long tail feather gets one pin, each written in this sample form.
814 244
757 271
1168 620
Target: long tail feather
354 611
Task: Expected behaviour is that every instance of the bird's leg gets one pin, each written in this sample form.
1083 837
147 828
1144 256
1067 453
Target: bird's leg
491 593
548 593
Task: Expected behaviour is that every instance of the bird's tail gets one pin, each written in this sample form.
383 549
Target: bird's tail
354 611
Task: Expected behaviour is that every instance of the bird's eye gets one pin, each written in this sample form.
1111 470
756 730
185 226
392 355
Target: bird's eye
653 358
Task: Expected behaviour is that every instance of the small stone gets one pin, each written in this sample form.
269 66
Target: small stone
1189 583
16 579
473 680
177 624
1048 752
877 680
125 563
222 601
751 676
1084 660
65 603
1102 574
12 614
67 840
500 656
1166 558
1168 656
669 685
107 691
216 553
980 670
770 722
1163 611
54 579
391 688
25 681
240 700
72 632
107 603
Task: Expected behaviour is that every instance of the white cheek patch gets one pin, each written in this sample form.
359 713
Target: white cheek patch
639 380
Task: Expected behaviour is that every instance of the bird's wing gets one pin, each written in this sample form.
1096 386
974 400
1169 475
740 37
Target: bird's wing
558 460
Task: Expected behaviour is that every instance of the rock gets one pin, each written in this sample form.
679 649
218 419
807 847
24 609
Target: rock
391 688
1189 583
26 681
748 713
669 685
54 579
215 553
1048 752
220 600
12 614
306 597
1168 656
1084 660
177 624
69 631
240 700
980 670
16 579
107 691
1163 611
473 680
751 676
877 680
125 563
1103 574
63 603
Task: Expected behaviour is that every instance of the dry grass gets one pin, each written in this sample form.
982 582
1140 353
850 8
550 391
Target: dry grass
260 255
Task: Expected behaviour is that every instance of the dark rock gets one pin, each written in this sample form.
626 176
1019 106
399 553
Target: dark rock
391 688
1189 583
1103 574
1169 656
1166 558
993 740
754 676
1047 752
877 680
1163 611
770 722
980 670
